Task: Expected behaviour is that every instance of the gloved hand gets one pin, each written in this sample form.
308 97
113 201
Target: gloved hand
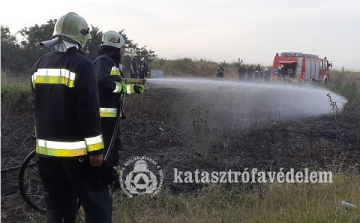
139 88
123 88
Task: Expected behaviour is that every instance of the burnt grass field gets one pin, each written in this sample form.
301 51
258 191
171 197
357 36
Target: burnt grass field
190 129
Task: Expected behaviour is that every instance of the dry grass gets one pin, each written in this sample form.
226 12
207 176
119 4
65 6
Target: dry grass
268 203
310 203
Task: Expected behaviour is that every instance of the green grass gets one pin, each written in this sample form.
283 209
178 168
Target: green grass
15 96
350 90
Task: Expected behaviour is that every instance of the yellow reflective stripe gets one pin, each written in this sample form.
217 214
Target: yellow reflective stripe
94 143
61 145
118 87
95 147
130 89
54 80
108 112
61 152
69 149
54 76
115 71
93 140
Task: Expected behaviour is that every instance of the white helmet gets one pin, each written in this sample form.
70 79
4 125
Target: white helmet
112 38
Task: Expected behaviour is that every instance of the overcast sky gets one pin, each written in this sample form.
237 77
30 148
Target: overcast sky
215 30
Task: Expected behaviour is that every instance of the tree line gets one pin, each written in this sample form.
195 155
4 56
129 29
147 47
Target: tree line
17 57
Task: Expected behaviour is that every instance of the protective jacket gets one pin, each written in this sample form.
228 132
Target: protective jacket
220 72
108 74
67 119
144 69
134 64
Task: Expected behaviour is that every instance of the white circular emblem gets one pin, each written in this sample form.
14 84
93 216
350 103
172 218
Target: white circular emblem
141 175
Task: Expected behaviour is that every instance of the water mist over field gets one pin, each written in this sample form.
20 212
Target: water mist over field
251 100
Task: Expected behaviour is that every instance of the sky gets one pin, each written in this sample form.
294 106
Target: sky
214 30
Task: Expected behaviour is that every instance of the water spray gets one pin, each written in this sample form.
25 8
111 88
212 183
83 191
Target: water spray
286 100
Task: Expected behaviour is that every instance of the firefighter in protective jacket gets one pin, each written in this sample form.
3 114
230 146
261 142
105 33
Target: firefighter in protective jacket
111 89
69 143
144 69
220 71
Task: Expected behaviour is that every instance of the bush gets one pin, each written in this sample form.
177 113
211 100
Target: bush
350 90
16 96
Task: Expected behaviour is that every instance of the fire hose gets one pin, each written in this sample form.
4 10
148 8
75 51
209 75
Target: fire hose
119 112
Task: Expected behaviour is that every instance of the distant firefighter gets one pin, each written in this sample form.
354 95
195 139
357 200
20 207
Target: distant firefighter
258 73
242 72
267 74
134 67
250 72
144 69
220 71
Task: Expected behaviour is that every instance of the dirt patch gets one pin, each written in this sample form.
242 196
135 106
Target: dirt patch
179 130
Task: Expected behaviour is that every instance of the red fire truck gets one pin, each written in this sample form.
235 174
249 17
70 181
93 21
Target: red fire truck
300 67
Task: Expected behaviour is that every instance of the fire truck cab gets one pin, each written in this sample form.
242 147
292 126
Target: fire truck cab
300 67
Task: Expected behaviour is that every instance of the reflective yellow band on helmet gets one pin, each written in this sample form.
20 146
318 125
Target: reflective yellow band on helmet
108 112
69 149
115 71
54 76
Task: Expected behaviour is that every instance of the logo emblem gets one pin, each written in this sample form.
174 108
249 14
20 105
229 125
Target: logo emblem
141 175
112 40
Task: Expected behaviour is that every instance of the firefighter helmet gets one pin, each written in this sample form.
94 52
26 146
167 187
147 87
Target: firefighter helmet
73 27
112 38
141 166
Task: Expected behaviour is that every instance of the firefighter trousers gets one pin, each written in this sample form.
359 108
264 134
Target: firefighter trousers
67 179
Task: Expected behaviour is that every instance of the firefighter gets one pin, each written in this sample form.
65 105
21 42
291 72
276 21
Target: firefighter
242 72
144 69
280 71
258 74
220 71
109 78
69 143
267 74
291 73
134 67
250 72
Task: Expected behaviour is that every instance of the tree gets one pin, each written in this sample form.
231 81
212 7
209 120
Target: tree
132 49
33 36
11 52
20 57
92 47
